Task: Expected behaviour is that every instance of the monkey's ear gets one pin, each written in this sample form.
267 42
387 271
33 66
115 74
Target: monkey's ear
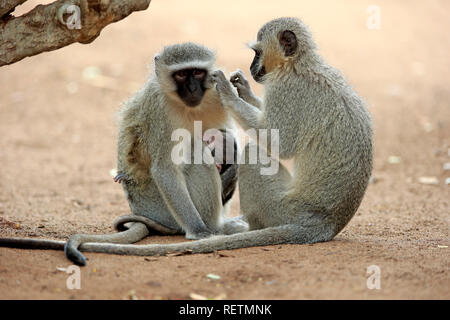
156 58
288 42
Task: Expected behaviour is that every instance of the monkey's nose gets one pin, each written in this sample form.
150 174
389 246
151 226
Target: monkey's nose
191 87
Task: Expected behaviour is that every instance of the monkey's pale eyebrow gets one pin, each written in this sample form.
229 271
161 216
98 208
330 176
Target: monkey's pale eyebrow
252 45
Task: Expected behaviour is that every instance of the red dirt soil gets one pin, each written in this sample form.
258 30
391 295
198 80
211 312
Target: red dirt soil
58 133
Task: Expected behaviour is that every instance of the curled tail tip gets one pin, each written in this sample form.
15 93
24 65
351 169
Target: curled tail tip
74 255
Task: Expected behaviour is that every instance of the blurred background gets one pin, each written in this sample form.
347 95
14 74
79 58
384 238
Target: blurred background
58 124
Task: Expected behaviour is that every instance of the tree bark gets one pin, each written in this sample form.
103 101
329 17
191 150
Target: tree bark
40 29
7 5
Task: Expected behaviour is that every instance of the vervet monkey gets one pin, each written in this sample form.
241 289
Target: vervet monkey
324 127
163 196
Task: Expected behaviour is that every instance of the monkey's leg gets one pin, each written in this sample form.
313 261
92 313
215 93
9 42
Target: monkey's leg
268 201
261 195
204 186
146 201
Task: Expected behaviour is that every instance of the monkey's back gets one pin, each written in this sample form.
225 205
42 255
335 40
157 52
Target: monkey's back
135 133
327 126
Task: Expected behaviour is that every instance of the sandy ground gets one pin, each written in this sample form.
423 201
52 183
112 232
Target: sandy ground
58 134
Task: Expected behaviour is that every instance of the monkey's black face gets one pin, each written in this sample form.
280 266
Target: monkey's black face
256 69
190 85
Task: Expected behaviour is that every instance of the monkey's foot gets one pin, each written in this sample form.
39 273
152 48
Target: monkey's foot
198 235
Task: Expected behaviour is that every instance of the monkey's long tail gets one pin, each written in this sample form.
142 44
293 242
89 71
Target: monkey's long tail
270 236
136 232
22 243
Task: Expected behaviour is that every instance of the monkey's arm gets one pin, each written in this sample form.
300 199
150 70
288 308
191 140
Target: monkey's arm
248 116
243 87
171 183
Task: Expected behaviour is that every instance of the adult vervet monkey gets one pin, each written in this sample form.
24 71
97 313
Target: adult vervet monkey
164 196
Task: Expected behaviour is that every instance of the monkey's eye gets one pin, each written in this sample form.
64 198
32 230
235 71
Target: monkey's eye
180 75
199 74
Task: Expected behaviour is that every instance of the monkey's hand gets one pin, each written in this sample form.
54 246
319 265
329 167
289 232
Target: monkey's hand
240 82
227 95
248 115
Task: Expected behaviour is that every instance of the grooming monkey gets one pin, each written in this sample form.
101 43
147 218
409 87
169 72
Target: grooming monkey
323 126
165 197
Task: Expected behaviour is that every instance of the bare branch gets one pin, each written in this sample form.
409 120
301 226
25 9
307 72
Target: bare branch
7 5
46 27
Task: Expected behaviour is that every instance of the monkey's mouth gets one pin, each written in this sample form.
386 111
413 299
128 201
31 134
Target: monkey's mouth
258 76
192 99
193 102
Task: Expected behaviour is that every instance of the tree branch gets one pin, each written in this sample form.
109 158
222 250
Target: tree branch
8 5
46 27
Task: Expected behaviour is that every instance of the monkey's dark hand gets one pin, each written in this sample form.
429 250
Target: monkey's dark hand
121 177
229 178
227 95
240 82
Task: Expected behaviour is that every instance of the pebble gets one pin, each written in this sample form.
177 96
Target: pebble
429 180
213 276
394 159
